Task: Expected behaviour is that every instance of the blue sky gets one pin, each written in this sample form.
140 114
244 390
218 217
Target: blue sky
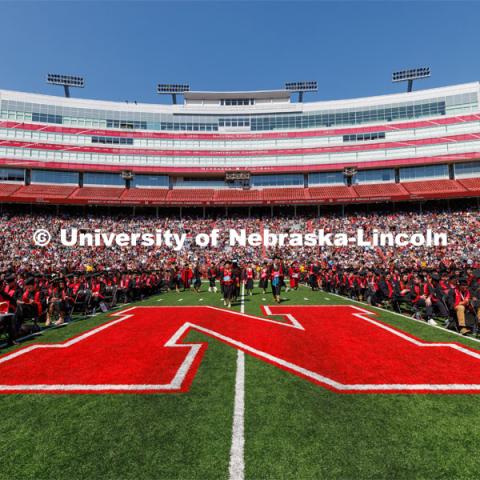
124 48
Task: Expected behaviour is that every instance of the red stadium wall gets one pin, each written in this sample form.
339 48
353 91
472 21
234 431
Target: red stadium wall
386 192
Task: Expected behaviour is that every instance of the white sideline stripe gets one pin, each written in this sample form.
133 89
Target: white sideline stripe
237 457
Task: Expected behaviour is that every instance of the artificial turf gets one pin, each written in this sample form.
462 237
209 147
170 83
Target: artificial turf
293 428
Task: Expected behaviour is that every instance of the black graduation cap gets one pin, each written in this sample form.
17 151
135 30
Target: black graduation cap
436 277
29 281
10 278
476 273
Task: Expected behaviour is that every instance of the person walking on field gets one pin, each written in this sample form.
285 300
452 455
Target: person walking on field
227 285
276 281
263 284
212 277
294 275
249 275
197 279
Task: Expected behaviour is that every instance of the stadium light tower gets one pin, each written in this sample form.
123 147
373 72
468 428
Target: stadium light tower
410 75
173 89
301 87
66 80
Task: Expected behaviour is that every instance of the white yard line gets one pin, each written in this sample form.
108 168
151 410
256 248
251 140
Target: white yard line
237 459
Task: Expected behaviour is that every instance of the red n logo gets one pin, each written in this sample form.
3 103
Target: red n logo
142 350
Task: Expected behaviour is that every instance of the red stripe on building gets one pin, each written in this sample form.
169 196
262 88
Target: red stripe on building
241 136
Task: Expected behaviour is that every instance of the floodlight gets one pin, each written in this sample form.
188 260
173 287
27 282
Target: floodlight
301 87
310 86
410 75
66 80
172 89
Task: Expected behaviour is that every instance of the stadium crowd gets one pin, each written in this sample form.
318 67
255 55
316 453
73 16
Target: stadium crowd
47 283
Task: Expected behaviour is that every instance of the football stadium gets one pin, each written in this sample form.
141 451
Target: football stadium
225 283
237 352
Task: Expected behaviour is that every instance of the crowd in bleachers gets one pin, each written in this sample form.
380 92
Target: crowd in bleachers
47 284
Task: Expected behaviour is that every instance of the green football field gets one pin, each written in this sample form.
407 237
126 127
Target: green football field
292 428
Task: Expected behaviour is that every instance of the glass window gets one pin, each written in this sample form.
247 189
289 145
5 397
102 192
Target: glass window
364 137
470 169
424 171
195 182
326 178
46 118
12 175
237 101
54 176
345 118
114 179
375 176
113 140
277 180
150 181
21 111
